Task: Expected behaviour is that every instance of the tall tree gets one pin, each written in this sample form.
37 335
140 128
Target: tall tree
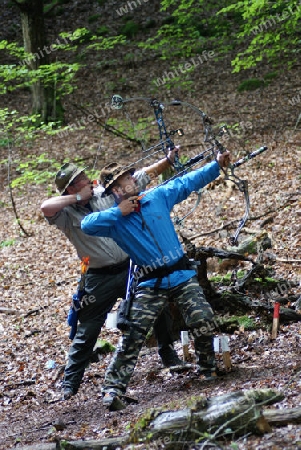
33 28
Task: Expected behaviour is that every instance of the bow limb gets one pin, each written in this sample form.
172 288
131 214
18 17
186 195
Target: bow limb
179 221
165 142
234 239
243 187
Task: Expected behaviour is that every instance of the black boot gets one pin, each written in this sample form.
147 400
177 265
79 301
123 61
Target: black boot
169 357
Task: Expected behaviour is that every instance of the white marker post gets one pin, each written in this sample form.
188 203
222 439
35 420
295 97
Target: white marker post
221 345
185 343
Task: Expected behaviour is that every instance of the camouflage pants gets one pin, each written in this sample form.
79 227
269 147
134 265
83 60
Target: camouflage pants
105 289
146 307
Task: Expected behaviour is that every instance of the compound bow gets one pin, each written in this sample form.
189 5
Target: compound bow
166 143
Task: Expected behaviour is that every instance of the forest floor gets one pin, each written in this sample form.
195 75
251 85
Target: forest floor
39 272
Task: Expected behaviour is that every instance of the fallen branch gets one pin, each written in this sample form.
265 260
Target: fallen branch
103 444
280 417
9 311
19 383
288 261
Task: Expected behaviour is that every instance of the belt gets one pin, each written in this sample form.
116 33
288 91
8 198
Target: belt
145 273
110 270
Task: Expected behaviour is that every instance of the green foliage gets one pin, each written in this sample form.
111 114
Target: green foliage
270 76
101 43
104 347
256 83
270 31
93 18
21 75
7 243
191 25
250 85
225 279
130 29
140 128
264 30
35 170
247 322
17 128
27 71
103 30
4 142
51 6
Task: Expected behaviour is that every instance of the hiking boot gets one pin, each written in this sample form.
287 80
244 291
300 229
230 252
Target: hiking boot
211 374
170 358
111 401
96 356
68 393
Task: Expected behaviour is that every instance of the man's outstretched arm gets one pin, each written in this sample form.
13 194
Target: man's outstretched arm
180 188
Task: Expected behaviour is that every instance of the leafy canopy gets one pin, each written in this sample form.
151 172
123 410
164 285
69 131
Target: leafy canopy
254 30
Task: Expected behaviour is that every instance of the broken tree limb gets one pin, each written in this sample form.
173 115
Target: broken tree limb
203 253
280 417
9 311
239 411
103 444
238 304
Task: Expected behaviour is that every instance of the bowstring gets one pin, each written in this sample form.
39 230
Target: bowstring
100 142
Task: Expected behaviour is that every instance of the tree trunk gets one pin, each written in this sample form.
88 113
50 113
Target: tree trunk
33 28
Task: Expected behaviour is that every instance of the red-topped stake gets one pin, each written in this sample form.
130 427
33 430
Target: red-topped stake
276 317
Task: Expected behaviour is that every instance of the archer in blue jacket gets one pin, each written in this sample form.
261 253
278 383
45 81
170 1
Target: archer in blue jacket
142 227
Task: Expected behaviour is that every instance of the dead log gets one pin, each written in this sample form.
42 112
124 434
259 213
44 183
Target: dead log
281 417
103 444
239 304
240 412
201 254
9 311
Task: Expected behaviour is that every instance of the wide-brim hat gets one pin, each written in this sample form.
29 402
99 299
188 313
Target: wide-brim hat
66 175
112 172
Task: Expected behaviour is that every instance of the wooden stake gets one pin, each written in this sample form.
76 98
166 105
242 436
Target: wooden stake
221 345
185 343
275 320
226 352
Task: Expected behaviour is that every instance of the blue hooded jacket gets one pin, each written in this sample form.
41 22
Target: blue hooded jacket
149 236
